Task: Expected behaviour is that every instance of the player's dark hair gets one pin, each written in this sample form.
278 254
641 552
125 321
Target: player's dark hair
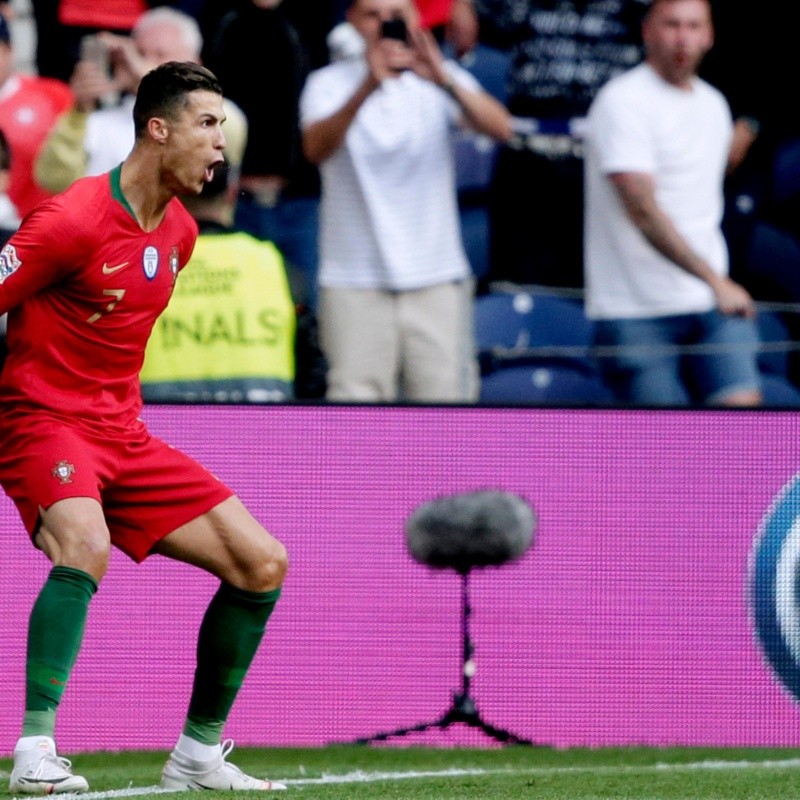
5 152
163 91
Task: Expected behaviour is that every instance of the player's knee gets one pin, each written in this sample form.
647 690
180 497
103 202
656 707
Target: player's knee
268 571
86 548
90 552
277 563
281 561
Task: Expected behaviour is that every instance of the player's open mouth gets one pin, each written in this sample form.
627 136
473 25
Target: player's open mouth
209 173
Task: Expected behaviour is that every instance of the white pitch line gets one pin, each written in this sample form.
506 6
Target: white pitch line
374 777
360 776
131 791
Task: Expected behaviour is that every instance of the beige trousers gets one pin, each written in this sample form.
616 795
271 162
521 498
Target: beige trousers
384 346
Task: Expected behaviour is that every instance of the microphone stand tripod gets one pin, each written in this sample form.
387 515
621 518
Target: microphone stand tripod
463 708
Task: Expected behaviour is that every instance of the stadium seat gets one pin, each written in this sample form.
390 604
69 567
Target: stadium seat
557 385
489 65
532 328
475 156
475 236
502 319
474 159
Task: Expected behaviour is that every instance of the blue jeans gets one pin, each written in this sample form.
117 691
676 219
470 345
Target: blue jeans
292 225
679 360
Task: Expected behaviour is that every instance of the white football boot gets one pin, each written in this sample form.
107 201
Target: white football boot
181 772
38 770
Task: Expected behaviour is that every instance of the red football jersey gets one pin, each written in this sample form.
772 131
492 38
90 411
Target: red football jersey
84 285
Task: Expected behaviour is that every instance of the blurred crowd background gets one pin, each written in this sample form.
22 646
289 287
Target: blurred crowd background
520 198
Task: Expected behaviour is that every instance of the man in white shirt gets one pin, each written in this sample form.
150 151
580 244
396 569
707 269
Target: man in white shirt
656 261
395 284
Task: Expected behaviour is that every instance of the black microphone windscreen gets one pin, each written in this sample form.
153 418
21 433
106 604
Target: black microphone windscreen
474 529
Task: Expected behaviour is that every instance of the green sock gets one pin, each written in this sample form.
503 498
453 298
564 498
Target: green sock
230 634
55 633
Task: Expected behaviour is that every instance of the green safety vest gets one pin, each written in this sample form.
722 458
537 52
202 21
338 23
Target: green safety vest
228 332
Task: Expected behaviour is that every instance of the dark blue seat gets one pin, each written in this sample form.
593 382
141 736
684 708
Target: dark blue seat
475 236
474 159
503 319
489 65
533 328
475 156
558 385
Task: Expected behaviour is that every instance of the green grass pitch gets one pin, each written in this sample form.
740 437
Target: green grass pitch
512 773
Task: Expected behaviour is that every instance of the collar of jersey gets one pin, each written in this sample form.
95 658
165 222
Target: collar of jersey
116 189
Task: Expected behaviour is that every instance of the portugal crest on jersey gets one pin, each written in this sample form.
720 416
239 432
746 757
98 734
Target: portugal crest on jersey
64 471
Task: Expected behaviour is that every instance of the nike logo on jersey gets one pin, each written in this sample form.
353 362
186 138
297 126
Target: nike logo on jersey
111 270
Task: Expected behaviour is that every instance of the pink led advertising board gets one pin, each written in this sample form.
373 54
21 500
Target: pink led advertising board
656 605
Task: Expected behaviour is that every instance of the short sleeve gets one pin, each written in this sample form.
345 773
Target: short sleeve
40 253
327 89
619 133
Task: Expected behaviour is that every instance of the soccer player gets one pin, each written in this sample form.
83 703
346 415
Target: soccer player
83 280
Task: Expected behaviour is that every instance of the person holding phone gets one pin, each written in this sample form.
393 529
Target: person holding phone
395 288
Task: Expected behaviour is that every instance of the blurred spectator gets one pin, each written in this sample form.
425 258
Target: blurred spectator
657 268
62 24
238 328
395 288
91 139
279 189
29 107
562 52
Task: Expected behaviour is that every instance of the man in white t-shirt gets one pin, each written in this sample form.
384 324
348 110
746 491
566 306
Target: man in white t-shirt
395 285
656 261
